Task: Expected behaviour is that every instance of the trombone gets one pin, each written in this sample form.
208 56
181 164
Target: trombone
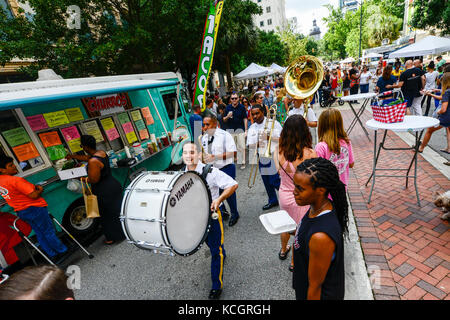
253 171
200 137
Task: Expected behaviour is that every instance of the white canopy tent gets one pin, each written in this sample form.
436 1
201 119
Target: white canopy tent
277 68
348 60
372 55
252 71
428 45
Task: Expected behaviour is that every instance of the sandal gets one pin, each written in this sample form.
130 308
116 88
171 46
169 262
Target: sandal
109 242
283 255
291 268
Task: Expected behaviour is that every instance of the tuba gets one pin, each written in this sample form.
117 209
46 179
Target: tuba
303 78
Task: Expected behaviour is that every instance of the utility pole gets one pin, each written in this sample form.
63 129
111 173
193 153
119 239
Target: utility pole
360 30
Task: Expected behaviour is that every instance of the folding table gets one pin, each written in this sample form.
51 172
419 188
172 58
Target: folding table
361 96
410 124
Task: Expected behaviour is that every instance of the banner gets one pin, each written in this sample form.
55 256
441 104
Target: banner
207 52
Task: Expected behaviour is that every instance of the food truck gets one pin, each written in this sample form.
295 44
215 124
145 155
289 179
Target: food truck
142 117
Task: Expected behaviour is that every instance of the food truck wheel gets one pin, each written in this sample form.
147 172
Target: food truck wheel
76 222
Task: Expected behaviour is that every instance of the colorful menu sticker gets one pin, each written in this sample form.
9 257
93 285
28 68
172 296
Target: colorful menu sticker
74 114
131 137
140 125
123 118
55 119
56 152
107 123
147 115
26 152
92 129
127 127
143 134
136 115
50 139
112 134
16 136
70 133
110 129
74 145
37 122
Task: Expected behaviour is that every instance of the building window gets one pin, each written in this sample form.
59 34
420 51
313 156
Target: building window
269 22
268 9
261 24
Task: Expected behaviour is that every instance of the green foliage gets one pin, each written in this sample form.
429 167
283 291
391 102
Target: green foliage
268 49
434 14
343 35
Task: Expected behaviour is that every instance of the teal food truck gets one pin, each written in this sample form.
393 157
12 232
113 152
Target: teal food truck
143 116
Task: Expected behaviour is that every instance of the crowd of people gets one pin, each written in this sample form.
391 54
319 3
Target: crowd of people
310 176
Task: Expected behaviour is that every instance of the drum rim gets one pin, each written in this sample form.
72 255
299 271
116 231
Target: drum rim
205 235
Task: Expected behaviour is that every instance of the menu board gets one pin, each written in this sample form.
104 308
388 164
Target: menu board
37 122
55 119
92 129
26 152
50 139
56 152
143 134
147 115
16 136
74 114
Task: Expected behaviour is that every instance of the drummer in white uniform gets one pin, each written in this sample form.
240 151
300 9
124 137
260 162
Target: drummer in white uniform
216 180
220 150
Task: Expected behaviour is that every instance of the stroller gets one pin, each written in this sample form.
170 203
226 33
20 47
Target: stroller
328 98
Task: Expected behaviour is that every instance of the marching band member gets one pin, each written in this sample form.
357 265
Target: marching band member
216 180
267 168
221 150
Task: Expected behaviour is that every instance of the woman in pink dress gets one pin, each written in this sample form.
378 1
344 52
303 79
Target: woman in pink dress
295 146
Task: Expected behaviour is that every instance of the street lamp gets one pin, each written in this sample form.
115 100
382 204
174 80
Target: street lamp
360 30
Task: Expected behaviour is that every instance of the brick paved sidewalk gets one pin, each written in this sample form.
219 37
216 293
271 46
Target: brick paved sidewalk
408 245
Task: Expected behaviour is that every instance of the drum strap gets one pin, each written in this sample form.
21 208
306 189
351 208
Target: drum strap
206 169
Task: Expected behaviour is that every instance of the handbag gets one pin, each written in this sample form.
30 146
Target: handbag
90 201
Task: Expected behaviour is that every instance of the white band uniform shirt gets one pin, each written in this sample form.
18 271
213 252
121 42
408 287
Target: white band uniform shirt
255 128
310 115
222 142
216 180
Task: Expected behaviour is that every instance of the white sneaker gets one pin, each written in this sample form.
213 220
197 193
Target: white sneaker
243 167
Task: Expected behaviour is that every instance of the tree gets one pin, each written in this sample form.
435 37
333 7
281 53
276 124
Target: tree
294 42
268 49
380 25
434 14
237 33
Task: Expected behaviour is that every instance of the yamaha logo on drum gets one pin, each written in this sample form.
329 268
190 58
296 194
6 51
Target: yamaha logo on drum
180 193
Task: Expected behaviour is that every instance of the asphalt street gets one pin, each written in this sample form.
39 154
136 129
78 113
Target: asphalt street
252 268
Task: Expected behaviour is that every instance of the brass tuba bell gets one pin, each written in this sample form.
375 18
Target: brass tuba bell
303 78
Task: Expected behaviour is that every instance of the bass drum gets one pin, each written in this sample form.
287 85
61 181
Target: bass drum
167 212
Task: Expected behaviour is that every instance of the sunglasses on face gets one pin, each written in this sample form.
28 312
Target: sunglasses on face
234 98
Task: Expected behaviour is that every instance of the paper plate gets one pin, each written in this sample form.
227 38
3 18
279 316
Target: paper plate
278 222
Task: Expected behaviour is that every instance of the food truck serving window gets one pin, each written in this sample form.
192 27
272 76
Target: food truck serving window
16 142
170 101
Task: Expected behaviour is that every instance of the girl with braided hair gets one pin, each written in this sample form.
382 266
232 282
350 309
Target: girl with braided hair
319 244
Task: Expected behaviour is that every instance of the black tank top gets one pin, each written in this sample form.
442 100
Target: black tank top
333 287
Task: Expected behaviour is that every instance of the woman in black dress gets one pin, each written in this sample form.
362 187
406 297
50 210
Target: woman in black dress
107 189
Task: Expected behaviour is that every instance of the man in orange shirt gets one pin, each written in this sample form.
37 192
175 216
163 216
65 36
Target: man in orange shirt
25 198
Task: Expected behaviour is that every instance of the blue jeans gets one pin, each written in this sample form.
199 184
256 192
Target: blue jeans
231 200
364 88
270 178
40 222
